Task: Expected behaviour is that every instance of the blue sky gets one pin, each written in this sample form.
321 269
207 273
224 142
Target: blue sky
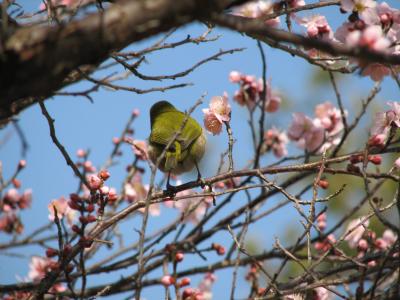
81 124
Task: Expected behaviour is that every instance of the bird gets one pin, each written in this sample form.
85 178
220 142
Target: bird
188 148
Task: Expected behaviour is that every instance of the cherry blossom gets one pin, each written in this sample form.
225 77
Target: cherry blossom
359 6
140 149
212 124
63 210
317 27
39 267
276 141
94 181
308 134
383 122
258 9
10 223
355 230
219 112
321 293
220 107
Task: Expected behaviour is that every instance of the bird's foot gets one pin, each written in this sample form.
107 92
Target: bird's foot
170 191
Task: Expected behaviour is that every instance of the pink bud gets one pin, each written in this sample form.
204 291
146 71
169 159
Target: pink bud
94 182
179 256
188 292
81 153
136 112
51 252
116 140
381 244
397 163
323 184
104 174
112 195
184 282
16 183
375 159
22 164
372 263
90 208
104 190
234 77
91 218
363 245
321 225
167 280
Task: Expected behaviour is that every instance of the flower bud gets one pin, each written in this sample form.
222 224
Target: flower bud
375 159
184 282
51 252
179 256
90 207
16 183
167 280
22 164
323 184
104 174
91 218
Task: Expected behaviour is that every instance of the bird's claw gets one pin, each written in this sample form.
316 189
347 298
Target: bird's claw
170 191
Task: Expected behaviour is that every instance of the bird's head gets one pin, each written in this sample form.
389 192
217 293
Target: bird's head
159 108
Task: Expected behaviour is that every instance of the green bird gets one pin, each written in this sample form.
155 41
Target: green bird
187 149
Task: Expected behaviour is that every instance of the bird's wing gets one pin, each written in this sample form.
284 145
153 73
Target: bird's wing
164 128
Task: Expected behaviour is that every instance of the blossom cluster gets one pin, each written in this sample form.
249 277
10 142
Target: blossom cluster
370 25
251 91
320 133
12 202
202 292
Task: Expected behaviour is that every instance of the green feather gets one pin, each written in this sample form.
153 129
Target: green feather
166 120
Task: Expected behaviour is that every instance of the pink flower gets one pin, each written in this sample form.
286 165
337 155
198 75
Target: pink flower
384 121
94 181
63 210
88 166
234 77
10 200
257 9
389 237
326 244
376 71
140 149
81 153
273 101
330 117
130 193
39 267
205 286
357 5
211 123
371 37
167 280
276 141
13 200
381 14
321 293
10 223
317 27
308 134
355 230
136 112
220 107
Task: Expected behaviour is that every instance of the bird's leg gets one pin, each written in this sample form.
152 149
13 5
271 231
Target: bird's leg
199 178
171 190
